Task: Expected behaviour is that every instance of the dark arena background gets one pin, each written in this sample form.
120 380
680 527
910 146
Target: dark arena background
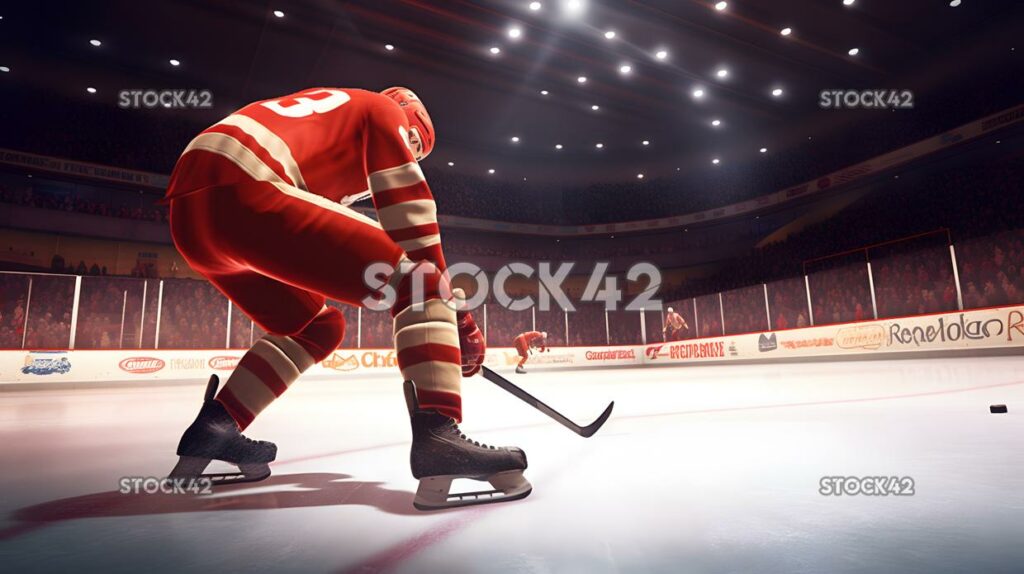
786 237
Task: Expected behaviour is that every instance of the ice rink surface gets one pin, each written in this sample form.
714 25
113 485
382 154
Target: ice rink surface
700 469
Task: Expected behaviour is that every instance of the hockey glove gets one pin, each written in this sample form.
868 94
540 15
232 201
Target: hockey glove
471 342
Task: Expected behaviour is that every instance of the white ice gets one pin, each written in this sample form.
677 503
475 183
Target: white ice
700 469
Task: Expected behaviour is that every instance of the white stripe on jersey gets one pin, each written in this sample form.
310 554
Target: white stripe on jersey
271 142
408 214
231 148
395 177
244 158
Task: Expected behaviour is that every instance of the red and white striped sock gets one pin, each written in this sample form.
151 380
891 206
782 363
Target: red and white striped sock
275 361
427 341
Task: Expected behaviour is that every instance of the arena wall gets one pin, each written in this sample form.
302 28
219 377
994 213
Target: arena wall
999 328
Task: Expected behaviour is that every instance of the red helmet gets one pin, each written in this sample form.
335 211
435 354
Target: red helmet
419 120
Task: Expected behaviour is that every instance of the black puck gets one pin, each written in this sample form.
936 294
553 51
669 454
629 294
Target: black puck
997 409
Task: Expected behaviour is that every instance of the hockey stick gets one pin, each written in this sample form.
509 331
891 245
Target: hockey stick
536 403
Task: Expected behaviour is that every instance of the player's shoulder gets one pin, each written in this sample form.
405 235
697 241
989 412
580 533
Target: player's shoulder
354 97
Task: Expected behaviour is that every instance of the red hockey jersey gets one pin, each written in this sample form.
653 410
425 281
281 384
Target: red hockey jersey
531 339
338 144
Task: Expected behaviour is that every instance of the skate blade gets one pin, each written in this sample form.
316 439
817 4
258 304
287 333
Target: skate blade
433 492
190 467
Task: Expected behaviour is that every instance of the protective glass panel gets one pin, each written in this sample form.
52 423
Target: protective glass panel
504 325
13 298
110 313
552 321
745 311
913 277
840 291
586 325
241 329
377 330
624 327
49 312
992 270
787 302
654 326
193 315
350 313
709 316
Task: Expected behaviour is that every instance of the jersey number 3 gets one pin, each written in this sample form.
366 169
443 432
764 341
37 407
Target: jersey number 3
315 102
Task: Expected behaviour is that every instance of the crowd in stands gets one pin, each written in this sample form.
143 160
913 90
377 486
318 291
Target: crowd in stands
744 310
39 322
30 195
975 201
976 207
58 265
992 269
194 314
787 304
914 282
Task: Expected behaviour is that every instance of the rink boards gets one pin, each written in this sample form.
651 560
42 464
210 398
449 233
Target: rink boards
994 328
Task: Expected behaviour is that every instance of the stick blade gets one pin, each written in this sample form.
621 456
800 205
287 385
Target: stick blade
589 430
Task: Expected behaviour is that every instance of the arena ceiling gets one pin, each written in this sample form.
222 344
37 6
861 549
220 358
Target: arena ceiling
502 79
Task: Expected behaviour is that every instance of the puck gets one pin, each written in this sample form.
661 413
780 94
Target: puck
997 409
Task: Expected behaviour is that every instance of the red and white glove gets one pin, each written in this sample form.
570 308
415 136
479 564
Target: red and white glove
471 342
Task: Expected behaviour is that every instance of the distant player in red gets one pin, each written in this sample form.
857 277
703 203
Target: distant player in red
675 326
258 205
525 343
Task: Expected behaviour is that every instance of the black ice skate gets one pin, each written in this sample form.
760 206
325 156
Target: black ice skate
520 370
214 435
441 453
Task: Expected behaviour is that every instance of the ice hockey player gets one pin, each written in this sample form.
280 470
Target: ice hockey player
258 205
675 326
525 343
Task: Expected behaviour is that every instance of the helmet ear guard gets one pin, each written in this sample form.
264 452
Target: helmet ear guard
417 116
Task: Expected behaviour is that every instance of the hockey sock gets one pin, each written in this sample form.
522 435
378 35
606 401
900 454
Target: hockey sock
427 340
275 361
